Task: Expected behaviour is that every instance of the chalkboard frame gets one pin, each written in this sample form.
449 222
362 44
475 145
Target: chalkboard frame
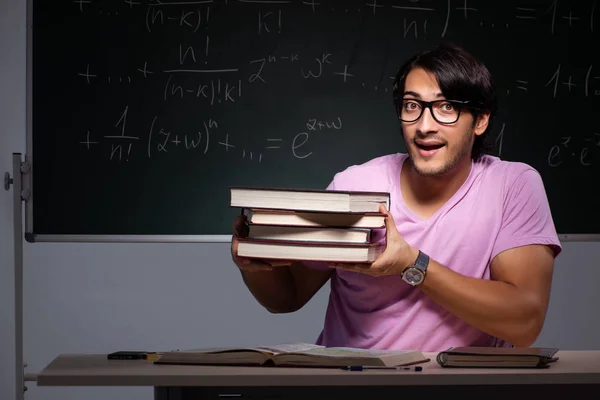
28 193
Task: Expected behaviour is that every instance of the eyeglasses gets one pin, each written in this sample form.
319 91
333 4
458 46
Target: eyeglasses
443 111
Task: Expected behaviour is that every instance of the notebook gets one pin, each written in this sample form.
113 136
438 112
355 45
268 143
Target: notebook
497 357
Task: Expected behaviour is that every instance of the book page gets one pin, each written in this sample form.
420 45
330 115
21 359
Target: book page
353 352
290 348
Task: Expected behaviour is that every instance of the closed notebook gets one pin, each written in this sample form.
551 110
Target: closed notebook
497 357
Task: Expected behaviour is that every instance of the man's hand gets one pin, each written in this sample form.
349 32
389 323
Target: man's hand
240 229
280 286
397 255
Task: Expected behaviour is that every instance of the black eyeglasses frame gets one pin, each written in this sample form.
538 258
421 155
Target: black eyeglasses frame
460 104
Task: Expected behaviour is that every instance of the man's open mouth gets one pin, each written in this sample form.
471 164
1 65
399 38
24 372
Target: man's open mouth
430 147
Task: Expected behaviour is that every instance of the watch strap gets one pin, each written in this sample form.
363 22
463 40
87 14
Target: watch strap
422 261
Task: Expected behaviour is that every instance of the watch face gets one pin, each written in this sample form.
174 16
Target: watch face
414 276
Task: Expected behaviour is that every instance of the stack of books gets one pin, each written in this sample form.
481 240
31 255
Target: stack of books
310 224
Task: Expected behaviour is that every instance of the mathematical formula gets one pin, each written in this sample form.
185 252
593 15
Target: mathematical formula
191 72
581 153
209 136
195 15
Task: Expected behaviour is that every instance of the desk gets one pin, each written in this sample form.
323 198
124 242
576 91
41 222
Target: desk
575 375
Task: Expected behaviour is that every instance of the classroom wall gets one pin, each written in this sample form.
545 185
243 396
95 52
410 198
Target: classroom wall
85 298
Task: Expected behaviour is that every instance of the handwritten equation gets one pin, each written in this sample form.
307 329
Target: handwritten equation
193 69
196 15
583 153
554 81
209 136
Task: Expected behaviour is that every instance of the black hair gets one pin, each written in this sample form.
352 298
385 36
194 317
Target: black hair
460 76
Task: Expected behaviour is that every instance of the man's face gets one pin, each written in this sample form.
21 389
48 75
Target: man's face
433 148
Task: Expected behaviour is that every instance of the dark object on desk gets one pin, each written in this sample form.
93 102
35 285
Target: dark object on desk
416 368
497 357
128 355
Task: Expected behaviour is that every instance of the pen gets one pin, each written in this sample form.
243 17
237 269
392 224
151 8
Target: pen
363 368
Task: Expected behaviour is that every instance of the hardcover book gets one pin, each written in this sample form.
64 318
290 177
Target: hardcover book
308 199
497 357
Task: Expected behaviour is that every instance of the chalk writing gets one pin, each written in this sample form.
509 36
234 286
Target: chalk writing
81 3
215 91
314 124
522 85
317 71
223 84
190 20
256 75
266 20
556 13
87 142
562 79
87 75
582 154
299 141
345 75
273 144
116 151
144 70
259 65
163 139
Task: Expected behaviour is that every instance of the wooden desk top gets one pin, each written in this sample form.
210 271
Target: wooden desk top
573 367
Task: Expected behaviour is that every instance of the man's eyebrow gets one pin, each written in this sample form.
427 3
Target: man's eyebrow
411 93
418 96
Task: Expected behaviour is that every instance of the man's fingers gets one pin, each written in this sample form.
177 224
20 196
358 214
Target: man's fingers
362 268
390 225
240 228
256 268
279 263
254 264
350 266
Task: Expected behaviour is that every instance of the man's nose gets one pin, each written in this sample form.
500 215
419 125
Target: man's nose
427 123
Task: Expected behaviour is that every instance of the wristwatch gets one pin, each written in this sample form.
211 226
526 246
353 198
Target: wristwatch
415 274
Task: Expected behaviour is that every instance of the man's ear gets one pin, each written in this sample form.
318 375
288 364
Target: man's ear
481 123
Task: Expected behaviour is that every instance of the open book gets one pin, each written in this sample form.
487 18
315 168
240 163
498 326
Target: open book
293 355
507 357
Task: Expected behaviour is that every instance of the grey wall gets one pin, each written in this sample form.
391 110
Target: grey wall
84 298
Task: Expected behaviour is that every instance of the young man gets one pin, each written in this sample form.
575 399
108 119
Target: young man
470 238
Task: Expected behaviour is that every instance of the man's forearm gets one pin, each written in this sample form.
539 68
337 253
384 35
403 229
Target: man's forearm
497 308
273 289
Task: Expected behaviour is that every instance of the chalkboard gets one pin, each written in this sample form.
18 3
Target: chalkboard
145 112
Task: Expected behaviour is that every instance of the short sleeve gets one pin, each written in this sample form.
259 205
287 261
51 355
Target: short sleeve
526 216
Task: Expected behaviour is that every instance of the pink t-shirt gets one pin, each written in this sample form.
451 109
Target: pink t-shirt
501 205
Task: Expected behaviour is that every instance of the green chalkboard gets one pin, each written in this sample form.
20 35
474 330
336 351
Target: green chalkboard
144 112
